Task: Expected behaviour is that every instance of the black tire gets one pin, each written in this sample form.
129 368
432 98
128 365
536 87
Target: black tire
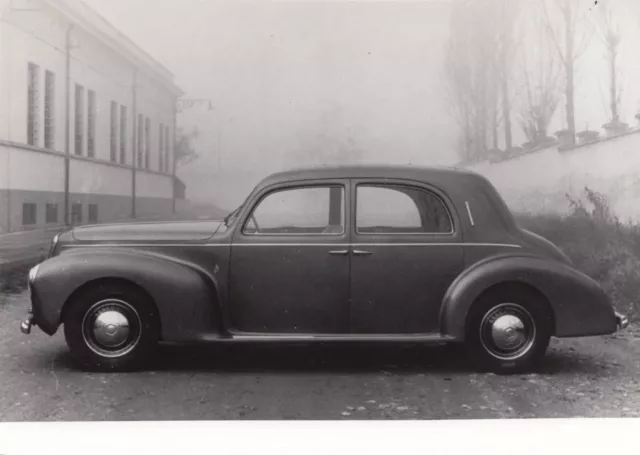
105 305
490 343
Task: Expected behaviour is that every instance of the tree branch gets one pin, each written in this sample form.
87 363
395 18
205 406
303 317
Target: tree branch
551 33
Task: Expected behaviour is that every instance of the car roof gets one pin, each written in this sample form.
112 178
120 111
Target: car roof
412 172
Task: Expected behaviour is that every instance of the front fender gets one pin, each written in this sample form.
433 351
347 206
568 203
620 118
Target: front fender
184 295
580 306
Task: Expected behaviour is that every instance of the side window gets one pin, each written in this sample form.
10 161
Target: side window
395 209
307 210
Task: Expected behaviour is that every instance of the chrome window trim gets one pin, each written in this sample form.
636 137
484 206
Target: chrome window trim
451 233
466 203
296 187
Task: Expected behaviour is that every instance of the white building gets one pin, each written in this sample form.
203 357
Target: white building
87 120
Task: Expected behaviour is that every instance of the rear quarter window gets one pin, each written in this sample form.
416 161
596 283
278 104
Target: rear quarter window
395 209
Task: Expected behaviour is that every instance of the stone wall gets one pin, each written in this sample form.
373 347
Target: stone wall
538 182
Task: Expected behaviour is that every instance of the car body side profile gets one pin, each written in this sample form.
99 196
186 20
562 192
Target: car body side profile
351 253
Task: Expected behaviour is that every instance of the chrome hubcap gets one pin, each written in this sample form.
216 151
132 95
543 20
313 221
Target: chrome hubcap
507 331
111 328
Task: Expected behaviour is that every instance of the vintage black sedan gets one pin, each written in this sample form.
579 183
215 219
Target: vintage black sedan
356 253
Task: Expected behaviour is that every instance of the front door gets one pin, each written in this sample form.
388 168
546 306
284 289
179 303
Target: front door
289 262
406 252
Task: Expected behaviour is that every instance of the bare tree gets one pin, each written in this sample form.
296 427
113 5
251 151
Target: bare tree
540 75
569 43
330 142
471 76
322 149
508 43
185 152
609 33
460 88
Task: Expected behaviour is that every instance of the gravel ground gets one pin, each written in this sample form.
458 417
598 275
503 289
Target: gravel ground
589 377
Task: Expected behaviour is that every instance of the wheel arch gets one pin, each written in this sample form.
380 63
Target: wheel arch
521 273
516 286
579 305
186 297
108 281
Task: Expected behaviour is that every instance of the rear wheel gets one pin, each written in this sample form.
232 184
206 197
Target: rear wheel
508 331
111 327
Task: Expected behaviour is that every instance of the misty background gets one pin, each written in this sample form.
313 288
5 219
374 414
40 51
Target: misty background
300 82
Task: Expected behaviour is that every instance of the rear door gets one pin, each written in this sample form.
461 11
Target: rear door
407 250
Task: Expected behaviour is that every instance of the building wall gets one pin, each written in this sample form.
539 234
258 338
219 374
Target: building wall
32 174
539 182
36 37
37 177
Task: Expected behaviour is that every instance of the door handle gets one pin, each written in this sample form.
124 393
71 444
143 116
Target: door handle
339 252
361 253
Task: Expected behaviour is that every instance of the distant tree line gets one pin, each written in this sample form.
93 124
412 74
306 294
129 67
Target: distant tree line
503 51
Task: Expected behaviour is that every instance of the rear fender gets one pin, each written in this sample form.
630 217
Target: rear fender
579 305
186 297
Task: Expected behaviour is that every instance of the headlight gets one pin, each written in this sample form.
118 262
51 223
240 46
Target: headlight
33 273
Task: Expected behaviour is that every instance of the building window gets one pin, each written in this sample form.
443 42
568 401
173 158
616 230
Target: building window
91 124
29 213
51 214
140 150
93 213
79 124
166 149
33 106
114 131
123 134
147 141
161 147
49 109
76 213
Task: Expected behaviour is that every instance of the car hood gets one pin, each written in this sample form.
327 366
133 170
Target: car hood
147 232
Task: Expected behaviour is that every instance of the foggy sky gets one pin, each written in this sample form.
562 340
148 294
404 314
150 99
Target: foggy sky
281 75
293 77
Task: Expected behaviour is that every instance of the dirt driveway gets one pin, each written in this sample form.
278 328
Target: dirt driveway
592 377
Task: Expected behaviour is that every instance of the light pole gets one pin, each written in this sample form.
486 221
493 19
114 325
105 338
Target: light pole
67 125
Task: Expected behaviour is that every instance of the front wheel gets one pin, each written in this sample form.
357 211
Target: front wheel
111 327
508 332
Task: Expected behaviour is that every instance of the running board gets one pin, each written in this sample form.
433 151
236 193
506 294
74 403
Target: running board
432 338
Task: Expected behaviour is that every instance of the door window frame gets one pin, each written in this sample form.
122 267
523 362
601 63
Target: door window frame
262 195
416 186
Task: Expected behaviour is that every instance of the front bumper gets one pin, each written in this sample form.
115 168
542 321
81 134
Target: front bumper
622 321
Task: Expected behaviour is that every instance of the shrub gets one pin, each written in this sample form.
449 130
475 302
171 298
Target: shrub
598 244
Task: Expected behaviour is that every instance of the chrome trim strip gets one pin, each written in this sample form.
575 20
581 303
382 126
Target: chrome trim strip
337 244
266 337
396 234
466 203
301 234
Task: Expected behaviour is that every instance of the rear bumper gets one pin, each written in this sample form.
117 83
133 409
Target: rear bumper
621 321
